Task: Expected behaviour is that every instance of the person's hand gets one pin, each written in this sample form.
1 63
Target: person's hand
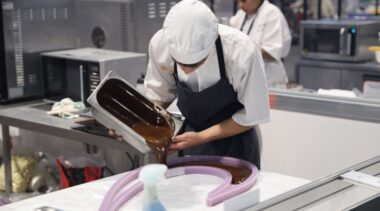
112 132
185 141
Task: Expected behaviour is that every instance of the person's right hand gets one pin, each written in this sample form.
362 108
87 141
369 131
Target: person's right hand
112 132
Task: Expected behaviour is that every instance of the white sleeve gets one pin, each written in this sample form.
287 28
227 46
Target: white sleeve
276 38
159 82
251 85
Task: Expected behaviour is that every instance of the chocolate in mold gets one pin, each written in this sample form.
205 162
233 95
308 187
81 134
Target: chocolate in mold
239 174
138 113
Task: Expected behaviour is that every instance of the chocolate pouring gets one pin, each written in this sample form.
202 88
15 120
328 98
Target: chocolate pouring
144 125
148 127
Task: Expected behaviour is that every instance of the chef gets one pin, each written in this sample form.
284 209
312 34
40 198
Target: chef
217 75
267 27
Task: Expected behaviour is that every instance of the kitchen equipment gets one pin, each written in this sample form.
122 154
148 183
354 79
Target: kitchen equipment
28 28
356 188
212 165
315 74
106 24
76 73
117 105
126 25
338 40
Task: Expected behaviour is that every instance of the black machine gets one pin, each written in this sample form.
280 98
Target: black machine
27 29
343 40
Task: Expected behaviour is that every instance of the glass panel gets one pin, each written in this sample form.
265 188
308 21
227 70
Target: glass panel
321 40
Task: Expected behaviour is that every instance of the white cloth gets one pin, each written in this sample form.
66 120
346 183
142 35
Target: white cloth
66 108
244 67
191 29
270 31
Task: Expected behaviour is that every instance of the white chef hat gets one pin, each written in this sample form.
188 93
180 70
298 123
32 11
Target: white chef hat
191 29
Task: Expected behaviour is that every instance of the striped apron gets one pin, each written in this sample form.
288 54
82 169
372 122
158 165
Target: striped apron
211 106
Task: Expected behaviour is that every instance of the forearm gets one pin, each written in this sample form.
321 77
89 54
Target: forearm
267 56
222 130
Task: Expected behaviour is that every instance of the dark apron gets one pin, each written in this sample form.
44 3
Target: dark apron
211 106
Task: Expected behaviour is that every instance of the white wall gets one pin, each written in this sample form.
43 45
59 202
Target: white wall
312 146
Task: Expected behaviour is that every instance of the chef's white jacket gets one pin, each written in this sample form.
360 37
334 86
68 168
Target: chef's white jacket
270 31
244 70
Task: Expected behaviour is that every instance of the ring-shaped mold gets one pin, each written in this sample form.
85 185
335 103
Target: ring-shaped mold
114 199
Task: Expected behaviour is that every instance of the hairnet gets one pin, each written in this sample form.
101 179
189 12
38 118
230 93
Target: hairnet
191 29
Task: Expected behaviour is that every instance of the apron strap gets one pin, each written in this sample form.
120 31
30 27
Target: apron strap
250 27
253 21
219 51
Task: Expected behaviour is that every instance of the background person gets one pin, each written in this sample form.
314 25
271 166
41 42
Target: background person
267 27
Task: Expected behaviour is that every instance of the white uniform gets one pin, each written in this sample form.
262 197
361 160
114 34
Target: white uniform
245 71
271 32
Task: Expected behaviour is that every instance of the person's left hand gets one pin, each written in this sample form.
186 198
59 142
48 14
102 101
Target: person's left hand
185 140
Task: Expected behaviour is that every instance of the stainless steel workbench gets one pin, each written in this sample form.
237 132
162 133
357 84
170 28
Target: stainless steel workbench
334 192
362 109
34 118
315 74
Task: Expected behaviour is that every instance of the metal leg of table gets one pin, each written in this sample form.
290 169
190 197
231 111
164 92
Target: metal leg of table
146 159
91 149
7 159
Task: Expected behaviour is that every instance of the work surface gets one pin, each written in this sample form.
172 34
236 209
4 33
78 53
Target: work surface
34 117
178 193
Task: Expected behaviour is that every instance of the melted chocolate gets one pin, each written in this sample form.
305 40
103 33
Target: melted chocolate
134 110
144 118
239 174
158 139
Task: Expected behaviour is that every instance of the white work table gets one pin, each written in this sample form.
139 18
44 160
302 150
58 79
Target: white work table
178 193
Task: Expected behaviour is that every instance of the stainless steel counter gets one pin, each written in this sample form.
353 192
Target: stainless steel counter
33 117
363 109
361 66
334 192
315 74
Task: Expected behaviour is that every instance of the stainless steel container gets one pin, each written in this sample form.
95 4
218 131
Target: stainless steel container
123 106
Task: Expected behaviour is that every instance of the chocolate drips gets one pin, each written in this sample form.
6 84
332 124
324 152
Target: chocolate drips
146 119
239 174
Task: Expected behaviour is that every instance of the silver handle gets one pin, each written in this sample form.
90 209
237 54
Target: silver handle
341 40
81 83
348 44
